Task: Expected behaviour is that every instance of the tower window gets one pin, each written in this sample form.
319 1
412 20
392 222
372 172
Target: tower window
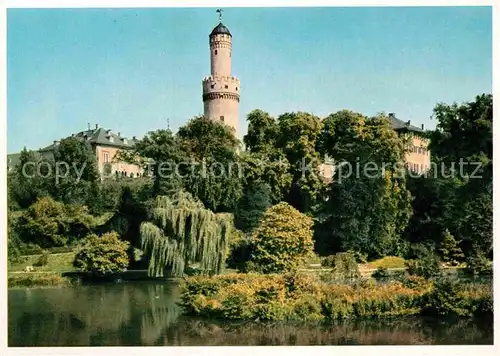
236 88
222 118
225 86
212 86
215 52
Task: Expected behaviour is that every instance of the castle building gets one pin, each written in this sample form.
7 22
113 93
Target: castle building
221 91
418 156
105 145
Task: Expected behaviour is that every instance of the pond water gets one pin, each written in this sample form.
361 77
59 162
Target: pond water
137 314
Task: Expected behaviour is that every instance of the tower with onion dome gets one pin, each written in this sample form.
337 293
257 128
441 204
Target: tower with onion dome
221 91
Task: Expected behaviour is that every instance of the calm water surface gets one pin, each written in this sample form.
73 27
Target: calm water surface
138 314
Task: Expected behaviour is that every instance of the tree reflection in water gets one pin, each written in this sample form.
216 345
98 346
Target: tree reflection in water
147 314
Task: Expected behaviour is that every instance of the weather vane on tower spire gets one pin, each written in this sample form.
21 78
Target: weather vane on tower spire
220 14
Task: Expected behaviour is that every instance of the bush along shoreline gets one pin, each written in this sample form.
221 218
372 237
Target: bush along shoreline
33 279
292 297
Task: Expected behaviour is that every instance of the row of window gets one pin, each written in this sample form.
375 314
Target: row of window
415 167
225 86
107 172
419 150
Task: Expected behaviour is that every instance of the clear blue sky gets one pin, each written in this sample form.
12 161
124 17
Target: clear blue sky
131 69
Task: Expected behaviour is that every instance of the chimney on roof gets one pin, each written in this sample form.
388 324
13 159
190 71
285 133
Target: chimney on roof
96 126
422 127
88 125
133 138
119 134
408 123
391 114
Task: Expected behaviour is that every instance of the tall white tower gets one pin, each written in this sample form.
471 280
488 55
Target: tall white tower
221 91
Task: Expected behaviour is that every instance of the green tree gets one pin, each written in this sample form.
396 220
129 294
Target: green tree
27 183
49 223
203 137
433 203
214 175
297 137
366 210
132 209
464 131
13 241
102 255
457 195
272 170
252 206
283 241
158 152
450 249
78 172
262 132
182 231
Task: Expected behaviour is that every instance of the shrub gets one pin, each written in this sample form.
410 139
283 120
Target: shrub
43 260
283 241
250 266
33 279
296 297
49 223
30 249
102 255
344 265
427 266
328 261
240 251
381 272
449 297
478 264
61 249
360 257
314 259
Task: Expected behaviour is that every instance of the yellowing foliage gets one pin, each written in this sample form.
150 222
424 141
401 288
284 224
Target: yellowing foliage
283 241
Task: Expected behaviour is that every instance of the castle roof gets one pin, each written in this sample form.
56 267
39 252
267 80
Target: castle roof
220 29
99 136
400 125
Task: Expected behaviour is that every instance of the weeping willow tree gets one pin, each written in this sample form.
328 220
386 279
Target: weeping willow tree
182 231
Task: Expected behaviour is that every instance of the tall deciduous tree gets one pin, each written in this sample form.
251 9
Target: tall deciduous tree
459 200
262 132
158 152
214 174
289 141
27 182
251 207
78 172
368 206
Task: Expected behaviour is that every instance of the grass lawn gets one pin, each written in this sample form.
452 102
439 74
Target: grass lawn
58 262
387 262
